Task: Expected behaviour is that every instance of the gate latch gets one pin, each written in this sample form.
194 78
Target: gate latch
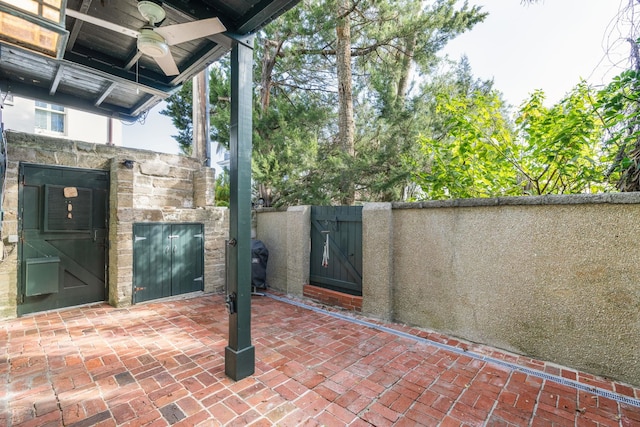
230 302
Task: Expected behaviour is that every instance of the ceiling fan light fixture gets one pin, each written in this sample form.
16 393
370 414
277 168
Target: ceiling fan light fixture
151 11
152 44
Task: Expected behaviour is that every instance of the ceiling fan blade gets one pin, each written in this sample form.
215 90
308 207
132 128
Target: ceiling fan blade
101 23
179 33
167 64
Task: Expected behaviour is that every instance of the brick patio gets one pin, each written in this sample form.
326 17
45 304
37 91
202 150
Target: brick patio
162 364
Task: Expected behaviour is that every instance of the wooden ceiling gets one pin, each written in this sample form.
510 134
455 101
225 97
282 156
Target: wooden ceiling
102 70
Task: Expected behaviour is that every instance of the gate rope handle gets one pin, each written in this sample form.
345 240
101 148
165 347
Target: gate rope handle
325 251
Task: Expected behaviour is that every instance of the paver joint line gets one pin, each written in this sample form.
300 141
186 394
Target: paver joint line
512 366
162 364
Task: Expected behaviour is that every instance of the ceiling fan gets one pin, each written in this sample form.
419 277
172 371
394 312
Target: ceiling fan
155 41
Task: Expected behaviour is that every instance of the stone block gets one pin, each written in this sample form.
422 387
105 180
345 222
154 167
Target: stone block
155 168
204 187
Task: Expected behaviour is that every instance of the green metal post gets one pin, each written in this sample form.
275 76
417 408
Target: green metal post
240 354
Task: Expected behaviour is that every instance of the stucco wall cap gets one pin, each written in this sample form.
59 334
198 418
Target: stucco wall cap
553 199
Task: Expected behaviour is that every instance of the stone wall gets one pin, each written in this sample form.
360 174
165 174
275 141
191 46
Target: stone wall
555 277
158 188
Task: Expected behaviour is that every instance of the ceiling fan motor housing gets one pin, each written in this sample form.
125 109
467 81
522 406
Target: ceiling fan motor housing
152 11
152 44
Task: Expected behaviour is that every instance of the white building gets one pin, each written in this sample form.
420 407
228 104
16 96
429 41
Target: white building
27 115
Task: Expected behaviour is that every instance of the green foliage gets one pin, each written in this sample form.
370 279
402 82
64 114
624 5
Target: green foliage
420 133
222 192
473 153
561 144
396 47
619 104
477 153
180 109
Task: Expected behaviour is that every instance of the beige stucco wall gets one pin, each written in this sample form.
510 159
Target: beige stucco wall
556 278
271 229
287 235
159 188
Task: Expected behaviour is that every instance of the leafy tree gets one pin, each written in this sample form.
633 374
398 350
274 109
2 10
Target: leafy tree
300 154
394 46
620 110
472 152
561 144
477 153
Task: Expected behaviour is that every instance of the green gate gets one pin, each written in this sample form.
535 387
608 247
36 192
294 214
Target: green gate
63 231
336 248
168 260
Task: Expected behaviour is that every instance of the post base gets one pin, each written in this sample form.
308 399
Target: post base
239 364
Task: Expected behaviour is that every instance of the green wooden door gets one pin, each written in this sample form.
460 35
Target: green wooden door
151 262
339 228
168 260
63 229
187 270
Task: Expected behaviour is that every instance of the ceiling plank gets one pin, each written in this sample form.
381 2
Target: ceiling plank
56 80
263 13
77 26
118 75
34 92
132 60
207 55
145 105
105 93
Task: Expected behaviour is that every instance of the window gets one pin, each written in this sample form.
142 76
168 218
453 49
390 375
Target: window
49 118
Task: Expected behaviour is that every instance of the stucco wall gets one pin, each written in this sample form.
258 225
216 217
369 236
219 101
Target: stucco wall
553 280
271 229
555 277
159 188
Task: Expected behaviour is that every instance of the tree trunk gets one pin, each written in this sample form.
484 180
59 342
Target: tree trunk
271 51
200 100
405 72
346 125
269 55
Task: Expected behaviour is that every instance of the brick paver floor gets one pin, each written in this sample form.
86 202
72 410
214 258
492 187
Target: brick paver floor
162 364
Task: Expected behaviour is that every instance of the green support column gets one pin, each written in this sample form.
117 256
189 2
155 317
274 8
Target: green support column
239 355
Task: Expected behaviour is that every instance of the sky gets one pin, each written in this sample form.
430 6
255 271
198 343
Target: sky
153 133
549 45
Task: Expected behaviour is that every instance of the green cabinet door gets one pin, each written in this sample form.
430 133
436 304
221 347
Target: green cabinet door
187 273
168 260
151 262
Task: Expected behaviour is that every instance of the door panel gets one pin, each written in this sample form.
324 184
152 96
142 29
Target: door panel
63 216
168 260
339 228
151 262
187 258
